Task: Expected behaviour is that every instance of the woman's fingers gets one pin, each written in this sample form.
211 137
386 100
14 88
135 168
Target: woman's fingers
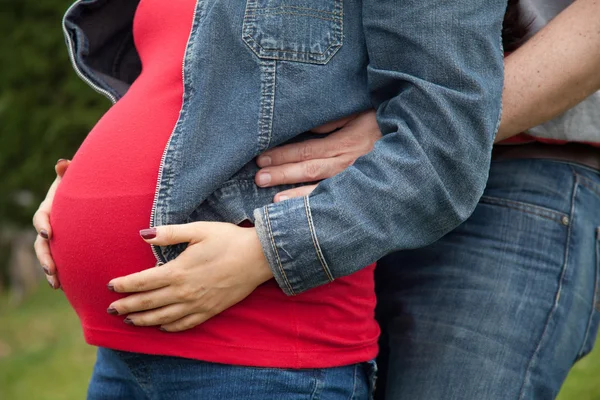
41 220
42 252
174 234
159 316
148 300
61 167
296 192
306 171
187 322
149 279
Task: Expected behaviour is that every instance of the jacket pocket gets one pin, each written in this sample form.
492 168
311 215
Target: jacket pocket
308 31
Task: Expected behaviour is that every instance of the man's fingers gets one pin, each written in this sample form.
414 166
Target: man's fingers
187 322
333 125
296 192
306 171
149 279
175 234
296 152
159 316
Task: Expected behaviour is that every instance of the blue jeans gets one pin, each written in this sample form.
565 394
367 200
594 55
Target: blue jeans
133 376
503 306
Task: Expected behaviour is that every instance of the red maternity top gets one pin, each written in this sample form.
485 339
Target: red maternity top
106 197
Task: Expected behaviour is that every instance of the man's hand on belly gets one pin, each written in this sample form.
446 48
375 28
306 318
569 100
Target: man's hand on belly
221 266
317 159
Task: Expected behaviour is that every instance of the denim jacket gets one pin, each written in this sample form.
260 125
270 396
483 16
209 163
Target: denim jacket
259 73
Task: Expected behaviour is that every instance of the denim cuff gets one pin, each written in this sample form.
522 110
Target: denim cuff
289 240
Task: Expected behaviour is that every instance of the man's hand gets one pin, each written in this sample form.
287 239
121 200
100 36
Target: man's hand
221 266
318 159
41 222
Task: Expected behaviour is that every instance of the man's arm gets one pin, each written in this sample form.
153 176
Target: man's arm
435 75
554 70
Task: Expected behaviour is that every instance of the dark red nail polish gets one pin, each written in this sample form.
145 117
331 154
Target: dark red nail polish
46 270
149 233
44 234
110 287
128 321
112 311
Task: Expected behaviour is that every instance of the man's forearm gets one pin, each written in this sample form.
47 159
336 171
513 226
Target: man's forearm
553 71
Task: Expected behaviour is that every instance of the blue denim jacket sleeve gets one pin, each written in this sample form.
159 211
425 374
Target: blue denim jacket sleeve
436 76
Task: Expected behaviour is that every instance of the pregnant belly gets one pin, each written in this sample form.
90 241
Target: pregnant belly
96 239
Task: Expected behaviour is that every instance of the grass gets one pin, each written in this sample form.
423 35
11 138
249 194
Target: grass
43 355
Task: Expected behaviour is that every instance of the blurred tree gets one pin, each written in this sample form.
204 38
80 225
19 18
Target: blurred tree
45 109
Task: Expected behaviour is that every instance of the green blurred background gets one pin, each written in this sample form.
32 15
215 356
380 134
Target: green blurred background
45 112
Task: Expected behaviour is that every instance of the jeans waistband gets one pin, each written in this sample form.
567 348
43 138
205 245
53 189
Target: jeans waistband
577 153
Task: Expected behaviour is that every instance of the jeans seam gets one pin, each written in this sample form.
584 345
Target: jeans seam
588 183
354 383
556 296
528 208
316 241
283 274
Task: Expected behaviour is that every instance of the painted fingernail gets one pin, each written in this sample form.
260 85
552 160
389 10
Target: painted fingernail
264 179
149 233
44 234
46 270
110 287
112 311
282 198
128 321
264 161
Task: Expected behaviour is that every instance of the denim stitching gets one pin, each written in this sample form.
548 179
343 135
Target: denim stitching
249 25
524 207
268 71
336 43
301 15
556 297
287 282
298 8
172 154
315 240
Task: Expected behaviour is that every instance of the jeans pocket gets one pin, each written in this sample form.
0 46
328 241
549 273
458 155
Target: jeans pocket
307 31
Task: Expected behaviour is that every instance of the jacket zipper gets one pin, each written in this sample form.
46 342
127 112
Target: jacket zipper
97 88
164 156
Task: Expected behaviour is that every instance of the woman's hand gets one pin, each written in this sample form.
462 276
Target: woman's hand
41 222
221 266
318 159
